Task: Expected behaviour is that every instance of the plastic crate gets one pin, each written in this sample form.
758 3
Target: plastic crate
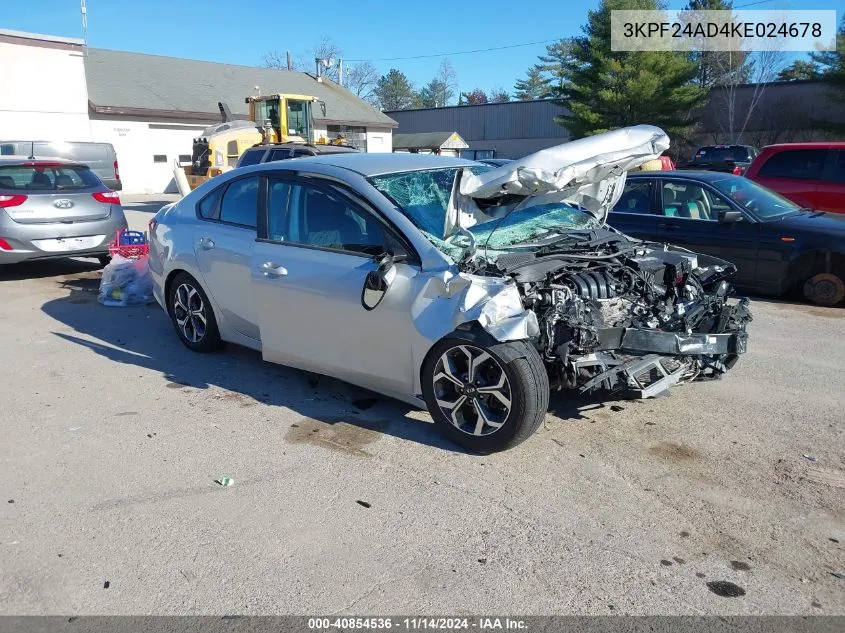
130 244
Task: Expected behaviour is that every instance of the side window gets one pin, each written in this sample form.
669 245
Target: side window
838 172
240 202
297 153
688 200
279 154
251 157
209 207
636 198
278 199
805 164
320 218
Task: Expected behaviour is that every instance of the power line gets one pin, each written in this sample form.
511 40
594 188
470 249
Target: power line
752 4
478 50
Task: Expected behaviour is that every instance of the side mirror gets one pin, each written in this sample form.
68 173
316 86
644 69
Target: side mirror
729 217
378 281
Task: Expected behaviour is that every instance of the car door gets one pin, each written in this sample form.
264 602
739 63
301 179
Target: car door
309 268
831 189
636 212
223 246
690 212
795 174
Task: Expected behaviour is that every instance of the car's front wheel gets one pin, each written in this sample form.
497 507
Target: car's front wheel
192 316
485 397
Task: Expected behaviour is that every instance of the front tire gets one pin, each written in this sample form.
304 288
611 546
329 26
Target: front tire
192 315
485 397
824 289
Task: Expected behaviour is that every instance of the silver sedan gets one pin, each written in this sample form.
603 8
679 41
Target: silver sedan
378 270
55 208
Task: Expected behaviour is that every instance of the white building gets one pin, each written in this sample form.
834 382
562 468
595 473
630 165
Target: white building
152 107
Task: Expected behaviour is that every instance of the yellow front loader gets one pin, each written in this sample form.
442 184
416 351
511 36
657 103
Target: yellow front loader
277 118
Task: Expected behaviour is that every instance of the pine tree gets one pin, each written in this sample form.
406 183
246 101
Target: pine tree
534 86
799 70
606 90
395 92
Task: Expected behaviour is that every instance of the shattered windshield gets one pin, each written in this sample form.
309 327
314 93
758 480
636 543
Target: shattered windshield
423 196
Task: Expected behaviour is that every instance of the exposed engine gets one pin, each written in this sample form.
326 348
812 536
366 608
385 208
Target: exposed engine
618 313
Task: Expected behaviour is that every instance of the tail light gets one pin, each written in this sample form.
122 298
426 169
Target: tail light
107 197
737 171
116 171
11 201
5 246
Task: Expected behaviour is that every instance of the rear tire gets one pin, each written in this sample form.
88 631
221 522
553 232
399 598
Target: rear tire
192 315
824 289
104 260
485 397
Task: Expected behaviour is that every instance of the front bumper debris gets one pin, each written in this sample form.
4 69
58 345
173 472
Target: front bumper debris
672 343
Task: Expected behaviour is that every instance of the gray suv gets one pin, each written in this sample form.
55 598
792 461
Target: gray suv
55 208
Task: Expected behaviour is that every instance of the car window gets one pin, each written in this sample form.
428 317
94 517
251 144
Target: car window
721 153
806 164
691 201
636 197
251 157
47 177
320 218
209 207
278 197
838 172
302 152
240 202
278 154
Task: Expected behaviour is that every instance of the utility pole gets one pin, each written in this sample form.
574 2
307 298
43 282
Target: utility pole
84 11
340 72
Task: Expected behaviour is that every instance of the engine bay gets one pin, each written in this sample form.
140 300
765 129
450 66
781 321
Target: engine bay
618 313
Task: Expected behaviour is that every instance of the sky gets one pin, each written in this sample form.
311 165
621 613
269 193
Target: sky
362 29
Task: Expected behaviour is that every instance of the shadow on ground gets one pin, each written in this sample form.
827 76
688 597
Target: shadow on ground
47 268
144 337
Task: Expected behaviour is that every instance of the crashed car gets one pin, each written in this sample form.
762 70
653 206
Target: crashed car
442 282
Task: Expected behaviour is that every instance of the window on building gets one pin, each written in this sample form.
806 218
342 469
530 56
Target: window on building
159 158
184 158
348 134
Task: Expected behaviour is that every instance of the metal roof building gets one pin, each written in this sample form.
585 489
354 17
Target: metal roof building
150 107
501 130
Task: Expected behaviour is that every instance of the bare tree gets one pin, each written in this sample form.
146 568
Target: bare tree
765 66
275 59
361 80
448 78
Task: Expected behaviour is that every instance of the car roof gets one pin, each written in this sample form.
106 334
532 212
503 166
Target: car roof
40 160
705 176
378 163
328 149
809 145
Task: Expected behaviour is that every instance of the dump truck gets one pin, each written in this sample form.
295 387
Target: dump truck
276 118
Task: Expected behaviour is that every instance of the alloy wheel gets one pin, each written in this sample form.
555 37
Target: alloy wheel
472 390
189 312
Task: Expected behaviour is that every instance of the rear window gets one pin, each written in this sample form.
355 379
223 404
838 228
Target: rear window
720 154
251 157
46 177
804 164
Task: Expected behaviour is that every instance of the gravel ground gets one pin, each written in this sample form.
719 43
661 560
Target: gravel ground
114 435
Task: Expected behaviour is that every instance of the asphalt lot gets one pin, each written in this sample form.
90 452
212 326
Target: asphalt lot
114 434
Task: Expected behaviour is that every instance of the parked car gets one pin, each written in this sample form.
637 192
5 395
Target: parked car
352 265
777 246
283 151
732 159
55 208
100 157
664 163
812 175
495 162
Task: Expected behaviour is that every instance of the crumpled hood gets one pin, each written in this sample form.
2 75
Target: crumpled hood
589 172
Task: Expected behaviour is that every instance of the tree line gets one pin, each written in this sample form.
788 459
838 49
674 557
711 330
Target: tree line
604 89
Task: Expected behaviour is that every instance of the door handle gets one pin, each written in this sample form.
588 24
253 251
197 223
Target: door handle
668 225
206 243
272 269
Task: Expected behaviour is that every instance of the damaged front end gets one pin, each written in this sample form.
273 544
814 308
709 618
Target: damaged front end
611 312
625 315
